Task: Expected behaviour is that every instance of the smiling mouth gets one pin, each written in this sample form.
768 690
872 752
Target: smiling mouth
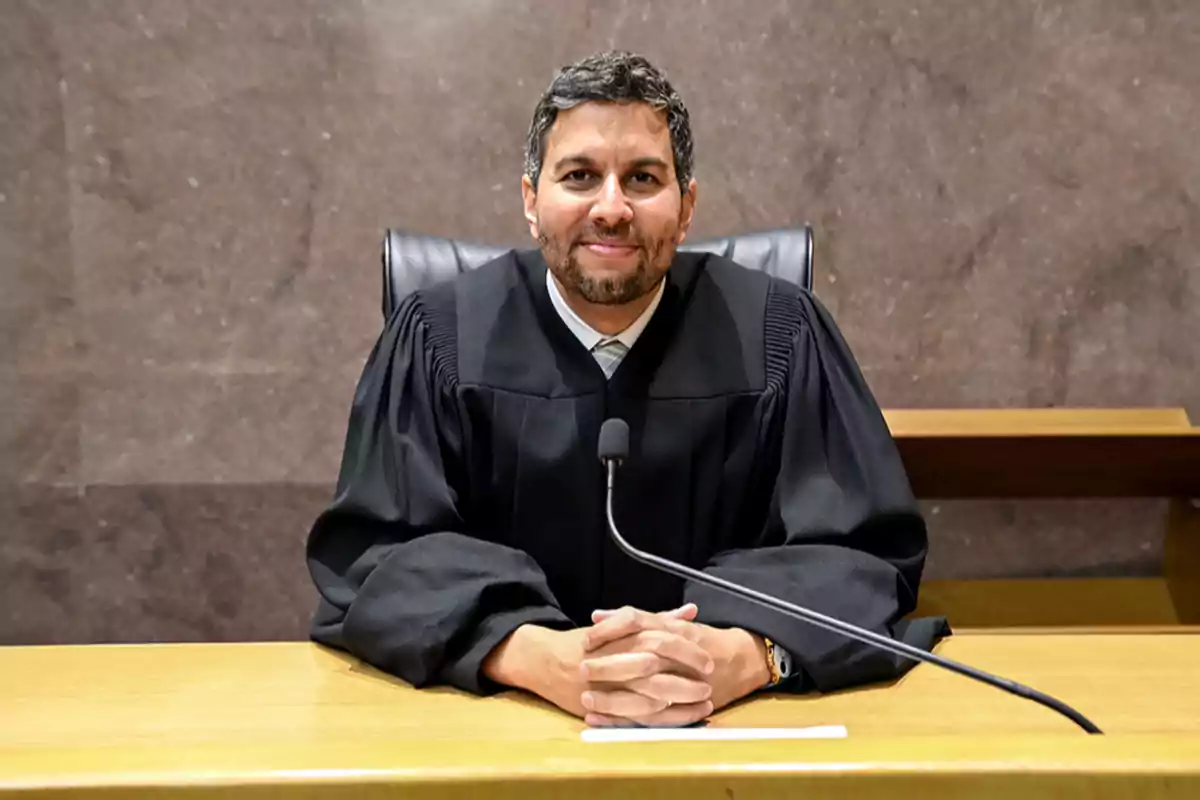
610 249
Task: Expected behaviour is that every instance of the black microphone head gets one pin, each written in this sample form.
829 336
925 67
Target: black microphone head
614 440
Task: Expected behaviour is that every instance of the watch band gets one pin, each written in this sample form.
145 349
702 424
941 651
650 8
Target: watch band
772 663
779 662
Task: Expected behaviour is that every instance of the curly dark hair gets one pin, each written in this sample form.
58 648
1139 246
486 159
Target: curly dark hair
614 77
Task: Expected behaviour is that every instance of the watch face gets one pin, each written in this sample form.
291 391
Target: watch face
783 661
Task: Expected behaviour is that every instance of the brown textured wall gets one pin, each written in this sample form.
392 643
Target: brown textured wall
1006 195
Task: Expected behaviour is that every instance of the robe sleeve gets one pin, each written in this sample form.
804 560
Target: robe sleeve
404 584
844 536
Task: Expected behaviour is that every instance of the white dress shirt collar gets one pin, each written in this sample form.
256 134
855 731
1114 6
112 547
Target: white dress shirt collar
589 336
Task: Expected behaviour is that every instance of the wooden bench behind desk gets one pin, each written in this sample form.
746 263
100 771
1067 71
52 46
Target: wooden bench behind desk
1062 453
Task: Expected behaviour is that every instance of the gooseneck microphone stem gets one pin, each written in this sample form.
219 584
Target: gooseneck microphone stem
831 623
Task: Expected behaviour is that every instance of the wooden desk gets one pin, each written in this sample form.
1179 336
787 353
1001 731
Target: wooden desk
254 720
1062 453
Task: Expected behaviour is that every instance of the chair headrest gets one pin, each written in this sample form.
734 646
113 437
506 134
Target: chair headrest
412 261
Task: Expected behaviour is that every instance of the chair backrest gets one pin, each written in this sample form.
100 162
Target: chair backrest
411 261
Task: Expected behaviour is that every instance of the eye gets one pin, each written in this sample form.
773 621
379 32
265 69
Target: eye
644 179
577 176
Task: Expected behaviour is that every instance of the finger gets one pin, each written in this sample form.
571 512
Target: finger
623 622
621 667
677 715
692 631
682 649
622 703
688 612
608 721
685 653
674 717
628 621
671 688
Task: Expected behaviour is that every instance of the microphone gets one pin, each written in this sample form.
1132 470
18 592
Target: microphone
614 448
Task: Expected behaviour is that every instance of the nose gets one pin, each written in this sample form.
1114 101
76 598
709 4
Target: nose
611 206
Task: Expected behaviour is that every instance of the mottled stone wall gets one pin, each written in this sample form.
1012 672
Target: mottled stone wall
1006 196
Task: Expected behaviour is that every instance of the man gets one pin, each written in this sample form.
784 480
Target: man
467 545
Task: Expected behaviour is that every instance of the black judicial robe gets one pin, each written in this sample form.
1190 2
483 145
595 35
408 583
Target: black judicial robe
470 499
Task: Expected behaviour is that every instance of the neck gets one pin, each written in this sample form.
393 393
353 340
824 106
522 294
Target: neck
607 319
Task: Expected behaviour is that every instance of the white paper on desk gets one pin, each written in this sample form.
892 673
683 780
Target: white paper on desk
710 734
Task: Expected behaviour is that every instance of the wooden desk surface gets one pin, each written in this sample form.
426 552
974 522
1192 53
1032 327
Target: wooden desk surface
252 719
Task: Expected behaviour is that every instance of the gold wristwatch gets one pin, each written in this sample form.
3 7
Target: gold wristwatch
779 662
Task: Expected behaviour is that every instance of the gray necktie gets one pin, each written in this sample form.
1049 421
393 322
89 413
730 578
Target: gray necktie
609 354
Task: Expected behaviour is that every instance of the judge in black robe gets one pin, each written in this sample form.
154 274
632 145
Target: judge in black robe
470 499
470 504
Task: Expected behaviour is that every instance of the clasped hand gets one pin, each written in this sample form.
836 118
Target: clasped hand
633 667
646 669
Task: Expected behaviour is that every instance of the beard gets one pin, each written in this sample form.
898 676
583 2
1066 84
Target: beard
653 261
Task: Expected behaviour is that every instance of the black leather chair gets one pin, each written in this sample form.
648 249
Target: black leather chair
412 261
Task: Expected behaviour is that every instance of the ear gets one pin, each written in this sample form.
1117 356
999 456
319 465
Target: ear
529 196
686 211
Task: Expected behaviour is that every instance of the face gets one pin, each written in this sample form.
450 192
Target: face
607 210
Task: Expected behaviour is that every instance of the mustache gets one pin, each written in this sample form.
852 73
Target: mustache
624 236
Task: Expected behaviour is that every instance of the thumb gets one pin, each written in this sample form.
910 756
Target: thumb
687 612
